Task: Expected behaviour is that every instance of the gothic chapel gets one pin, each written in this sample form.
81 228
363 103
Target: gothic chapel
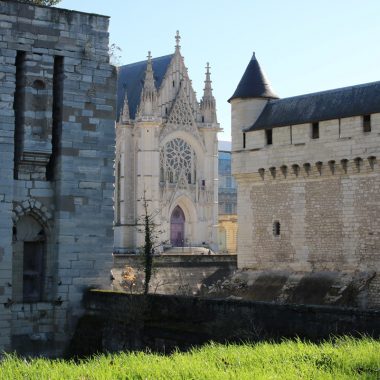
166 147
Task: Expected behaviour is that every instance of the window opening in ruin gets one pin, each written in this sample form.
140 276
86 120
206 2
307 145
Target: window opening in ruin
33 270
268 135
19 108
276 228
367 123
244 139
203 119
57 112
315 131
39 84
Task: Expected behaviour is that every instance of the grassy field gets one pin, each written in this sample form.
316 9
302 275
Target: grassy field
345 358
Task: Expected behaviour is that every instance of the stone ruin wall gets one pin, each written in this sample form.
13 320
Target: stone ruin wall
325 193
57 95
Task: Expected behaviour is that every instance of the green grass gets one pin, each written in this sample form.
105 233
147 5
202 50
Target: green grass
344 358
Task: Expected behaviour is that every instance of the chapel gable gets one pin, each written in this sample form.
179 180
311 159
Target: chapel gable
181 118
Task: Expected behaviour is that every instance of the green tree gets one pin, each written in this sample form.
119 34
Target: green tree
152 234
43 2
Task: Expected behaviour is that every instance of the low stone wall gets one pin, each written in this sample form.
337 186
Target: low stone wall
119 321
183 274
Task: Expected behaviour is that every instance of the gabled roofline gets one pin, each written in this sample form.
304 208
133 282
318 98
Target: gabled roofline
331 104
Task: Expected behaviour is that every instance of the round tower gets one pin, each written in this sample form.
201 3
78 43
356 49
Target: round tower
248 101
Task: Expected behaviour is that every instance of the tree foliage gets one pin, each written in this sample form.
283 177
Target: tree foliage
43 2
152 234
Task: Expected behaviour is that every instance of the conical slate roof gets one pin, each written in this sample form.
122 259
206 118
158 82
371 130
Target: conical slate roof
253 84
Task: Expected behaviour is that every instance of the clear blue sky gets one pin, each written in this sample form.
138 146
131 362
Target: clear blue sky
302 46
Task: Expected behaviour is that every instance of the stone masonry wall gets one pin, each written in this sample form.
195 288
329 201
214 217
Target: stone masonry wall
184 274
57 95
324 193
117 321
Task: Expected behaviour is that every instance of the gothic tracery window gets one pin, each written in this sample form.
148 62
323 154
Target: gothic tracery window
177 162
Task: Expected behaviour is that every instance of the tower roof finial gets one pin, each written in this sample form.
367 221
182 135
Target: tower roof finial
148 98
177 39
253 57
208 107
207 91
124 115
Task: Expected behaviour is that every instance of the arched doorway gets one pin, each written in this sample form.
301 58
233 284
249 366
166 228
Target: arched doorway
177 227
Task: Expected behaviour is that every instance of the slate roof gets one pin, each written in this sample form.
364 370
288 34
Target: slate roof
131 77
253 83
362 99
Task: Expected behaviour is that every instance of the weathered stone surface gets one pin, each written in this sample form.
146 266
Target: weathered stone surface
321 194
116 321
64 210
181 273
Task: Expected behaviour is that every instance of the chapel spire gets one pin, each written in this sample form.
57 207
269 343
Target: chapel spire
177 40
124 115
208 106
148 101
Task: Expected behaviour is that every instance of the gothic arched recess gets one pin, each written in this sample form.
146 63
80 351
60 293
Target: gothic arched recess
33 261
177 227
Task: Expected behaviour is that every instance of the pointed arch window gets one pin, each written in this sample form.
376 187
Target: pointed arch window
177 162
29 260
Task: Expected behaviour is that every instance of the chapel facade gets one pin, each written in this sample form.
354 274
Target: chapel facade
167 153
308 186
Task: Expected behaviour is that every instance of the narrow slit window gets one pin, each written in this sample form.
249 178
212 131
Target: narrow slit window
57 114
315 130
340 128
19 108
276 228
268 135
244 139
367 123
